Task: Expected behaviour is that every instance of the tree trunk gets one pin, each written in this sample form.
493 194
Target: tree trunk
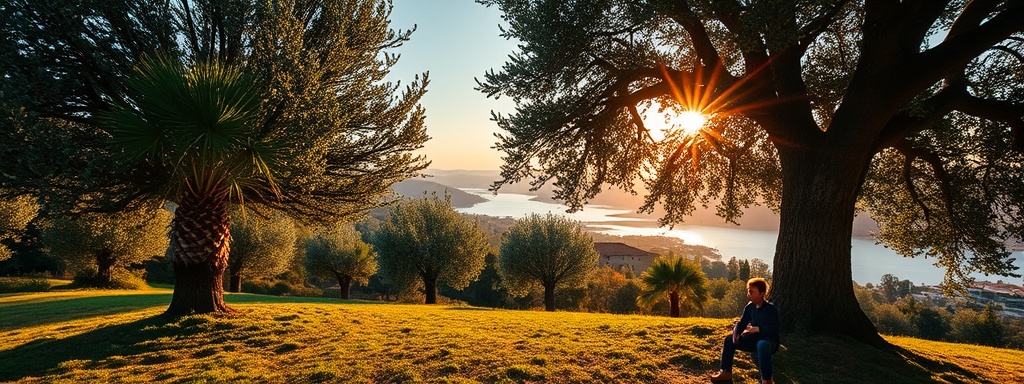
549 297
235 282
812 278
345 283
104 267
430 289
673 300
200 241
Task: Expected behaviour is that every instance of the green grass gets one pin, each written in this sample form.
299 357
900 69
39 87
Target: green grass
117 336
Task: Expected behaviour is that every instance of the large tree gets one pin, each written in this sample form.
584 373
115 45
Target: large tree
262 246
341 253
425 242
279 105
551 251
108 241
909 110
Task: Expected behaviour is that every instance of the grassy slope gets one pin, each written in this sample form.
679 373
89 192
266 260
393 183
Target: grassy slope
109 336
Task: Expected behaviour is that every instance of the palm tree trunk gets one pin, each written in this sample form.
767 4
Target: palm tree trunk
200 241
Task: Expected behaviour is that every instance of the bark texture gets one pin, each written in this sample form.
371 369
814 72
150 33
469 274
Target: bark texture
200 240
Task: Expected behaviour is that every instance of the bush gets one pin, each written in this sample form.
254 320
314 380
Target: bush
119 279
890 320
279 288
17 284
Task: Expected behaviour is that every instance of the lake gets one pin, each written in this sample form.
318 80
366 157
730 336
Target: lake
869 262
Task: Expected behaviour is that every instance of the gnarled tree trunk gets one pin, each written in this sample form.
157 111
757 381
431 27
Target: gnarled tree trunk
812 277
549 297
430 290
104 267
344 284
235 278
200 241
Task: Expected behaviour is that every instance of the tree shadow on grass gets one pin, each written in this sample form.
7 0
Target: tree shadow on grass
45 356
831 359
45 312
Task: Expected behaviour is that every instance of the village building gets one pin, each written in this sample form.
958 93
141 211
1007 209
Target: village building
621 256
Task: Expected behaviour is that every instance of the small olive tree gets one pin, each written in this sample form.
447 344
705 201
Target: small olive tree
549 250
109 240
340 253
15 214
261 246
425 242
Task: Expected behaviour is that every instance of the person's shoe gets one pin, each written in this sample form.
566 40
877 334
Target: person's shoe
721 377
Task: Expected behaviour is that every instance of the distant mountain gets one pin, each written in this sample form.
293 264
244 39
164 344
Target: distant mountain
416 188
754 218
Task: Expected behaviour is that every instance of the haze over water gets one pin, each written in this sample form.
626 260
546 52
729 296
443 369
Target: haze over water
869 262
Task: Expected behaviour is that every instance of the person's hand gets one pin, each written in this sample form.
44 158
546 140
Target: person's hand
751 329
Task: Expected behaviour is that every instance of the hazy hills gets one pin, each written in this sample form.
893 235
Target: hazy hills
755 218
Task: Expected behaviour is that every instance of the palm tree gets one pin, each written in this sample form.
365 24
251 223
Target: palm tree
191 128
675 278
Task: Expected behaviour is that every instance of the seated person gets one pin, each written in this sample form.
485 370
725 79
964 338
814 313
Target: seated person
756 332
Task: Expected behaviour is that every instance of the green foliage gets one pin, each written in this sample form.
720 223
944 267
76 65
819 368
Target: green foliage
423 242
279 288
19 284
985 327
15 214
105 242
340 250
676 279
890 320
601 290
726 299
305 122
120 278
550 251
893 288
261 247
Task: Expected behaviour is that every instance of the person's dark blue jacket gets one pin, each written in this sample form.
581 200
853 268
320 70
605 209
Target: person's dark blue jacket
765 318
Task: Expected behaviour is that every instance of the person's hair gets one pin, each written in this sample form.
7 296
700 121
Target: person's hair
760 283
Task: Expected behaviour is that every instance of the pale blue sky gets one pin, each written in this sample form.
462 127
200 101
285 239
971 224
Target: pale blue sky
457 41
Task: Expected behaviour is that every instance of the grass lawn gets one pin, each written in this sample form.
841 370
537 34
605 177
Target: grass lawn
117 336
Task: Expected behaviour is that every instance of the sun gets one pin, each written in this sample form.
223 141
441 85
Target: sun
660 124
690 121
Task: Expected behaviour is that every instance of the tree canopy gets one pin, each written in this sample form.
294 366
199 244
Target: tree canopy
550 251
339 252
908 110
15 214
425 242
107 242
261 246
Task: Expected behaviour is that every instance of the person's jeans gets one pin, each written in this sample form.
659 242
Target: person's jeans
761 349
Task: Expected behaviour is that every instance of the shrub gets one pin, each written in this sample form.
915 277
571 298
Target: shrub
17 284
279 288
891 321
119 279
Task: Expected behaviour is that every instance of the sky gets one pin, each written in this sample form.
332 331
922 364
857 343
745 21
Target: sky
456 41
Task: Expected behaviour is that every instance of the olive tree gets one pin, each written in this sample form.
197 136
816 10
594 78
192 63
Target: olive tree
108 241
261 246
425 242
551 251
908 110
341 253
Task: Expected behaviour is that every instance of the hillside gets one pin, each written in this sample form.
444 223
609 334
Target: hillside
415 188
108 336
